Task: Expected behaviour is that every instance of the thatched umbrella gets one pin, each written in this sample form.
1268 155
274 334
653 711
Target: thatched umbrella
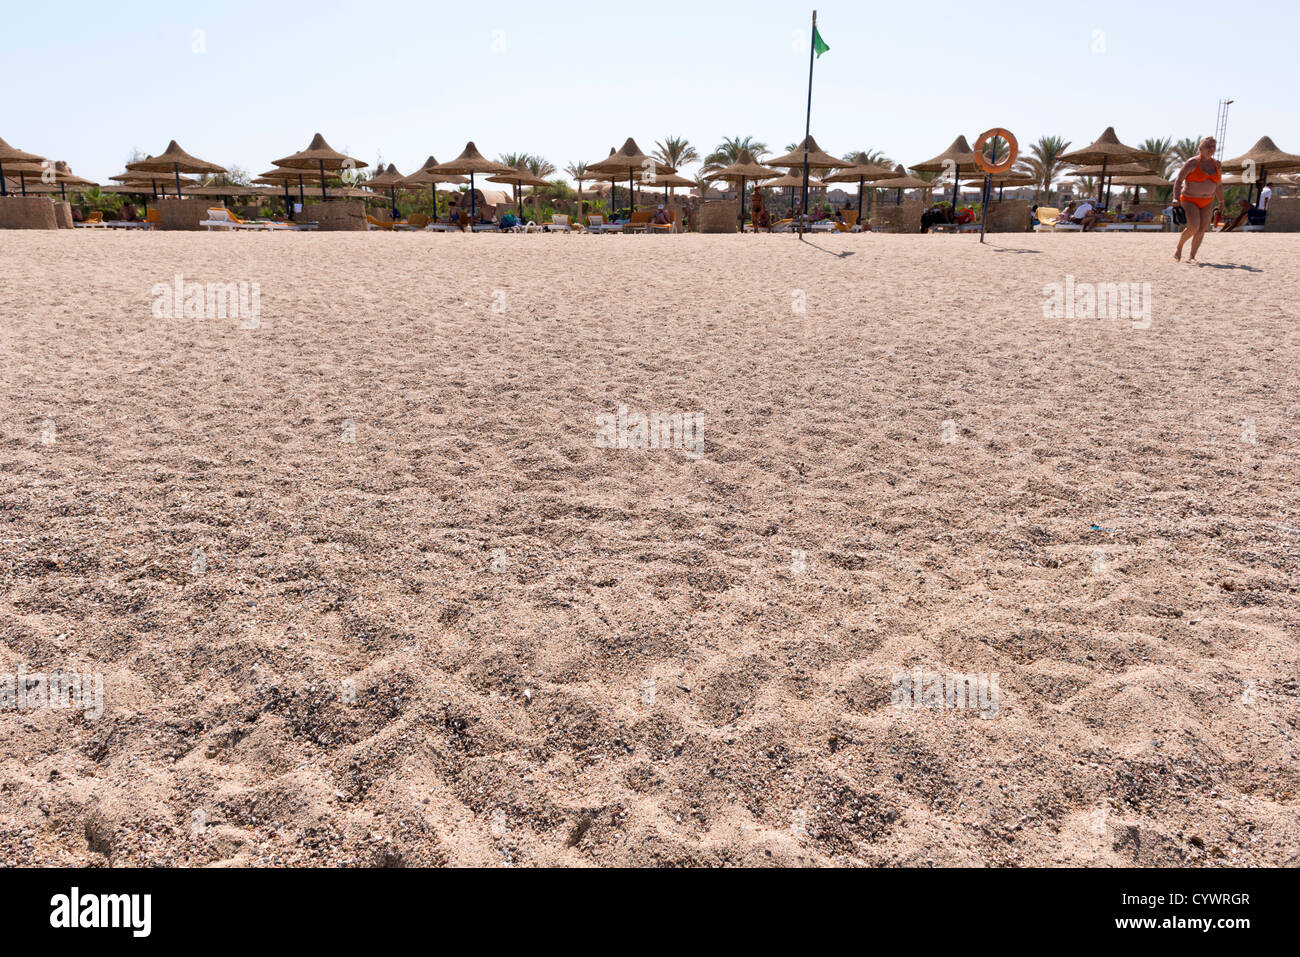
1265 156
153 183
1001 181
10 155
629 162
744 169
861 171
519 178
390 179
469 163
287 177
63 178
174 160
425 176
901 181
320 156
792 181
958 157
807 156
1108 151
671 180
1137 181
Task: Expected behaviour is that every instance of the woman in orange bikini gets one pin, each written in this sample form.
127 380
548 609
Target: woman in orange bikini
1199 184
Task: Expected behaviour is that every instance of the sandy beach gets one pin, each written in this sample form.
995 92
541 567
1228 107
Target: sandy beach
366 585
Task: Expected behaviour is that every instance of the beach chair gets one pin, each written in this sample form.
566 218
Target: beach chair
669 227
413 222
373 223
486 227
1157 225
95 220
221 218
596 224
640 222
559 224
1048 216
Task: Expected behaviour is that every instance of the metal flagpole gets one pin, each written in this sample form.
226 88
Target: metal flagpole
807 127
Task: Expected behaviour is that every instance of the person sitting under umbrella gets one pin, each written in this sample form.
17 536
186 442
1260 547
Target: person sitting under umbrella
662 218
1081 215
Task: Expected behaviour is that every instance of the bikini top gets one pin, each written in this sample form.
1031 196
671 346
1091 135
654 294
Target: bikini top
1199 175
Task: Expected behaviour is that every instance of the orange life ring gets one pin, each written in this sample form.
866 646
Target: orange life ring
1012 155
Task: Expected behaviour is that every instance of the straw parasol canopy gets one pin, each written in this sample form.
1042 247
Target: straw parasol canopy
425 176
1148 179
817 158
145 182
520 178
320 156
959 157
174 160
1122 169
391 179
1266 158
744 169
630 162
809 154
469 163
1107 152
63 178
861 171
669 181
10 155
901 181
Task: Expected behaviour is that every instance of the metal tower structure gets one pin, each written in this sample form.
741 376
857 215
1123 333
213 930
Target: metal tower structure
1221 127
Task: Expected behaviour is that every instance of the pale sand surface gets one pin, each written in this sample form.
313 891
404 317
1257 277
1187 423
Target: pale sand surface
1147 667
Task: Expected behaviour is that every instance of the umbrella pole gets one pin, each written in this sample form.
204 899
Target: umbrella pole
176 168
3 190
392 194
631 194
322 180
742 204
302 199
288 200
22 182
988 191
473 213
861 182
1102 180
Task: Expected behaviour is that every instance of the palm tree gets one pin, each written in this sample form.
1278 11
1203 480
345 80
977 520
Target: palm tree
729 150
873 156
676 152
577 172
1044 163
539 166
1184 149
1162 148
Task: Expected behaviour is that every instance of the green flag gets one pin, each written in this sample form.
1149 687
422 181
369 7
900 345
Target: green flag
818 43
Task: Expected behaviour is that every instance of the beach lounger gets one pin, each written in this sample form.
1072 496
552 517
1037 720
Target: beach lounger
1047 218
222 218
640 222
559 224
596 224
413 222
668 227
372 223
486 227
94 221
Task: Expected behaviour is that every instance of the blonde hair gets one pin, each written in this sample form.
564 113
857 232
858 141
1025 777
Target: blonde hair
1209 139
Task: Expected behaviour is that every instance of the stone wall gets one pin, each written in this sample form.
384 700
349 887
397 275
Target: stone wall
1008 216
27 212
335 215
63 214
718 216
898 219
1283 215
176 214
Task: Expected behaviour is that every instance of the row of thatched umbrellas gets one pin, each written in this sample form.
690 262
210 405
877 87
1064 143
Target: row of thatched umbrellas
1113 162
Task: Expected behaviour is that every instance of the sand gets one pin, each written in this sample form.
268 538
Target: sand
364 587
